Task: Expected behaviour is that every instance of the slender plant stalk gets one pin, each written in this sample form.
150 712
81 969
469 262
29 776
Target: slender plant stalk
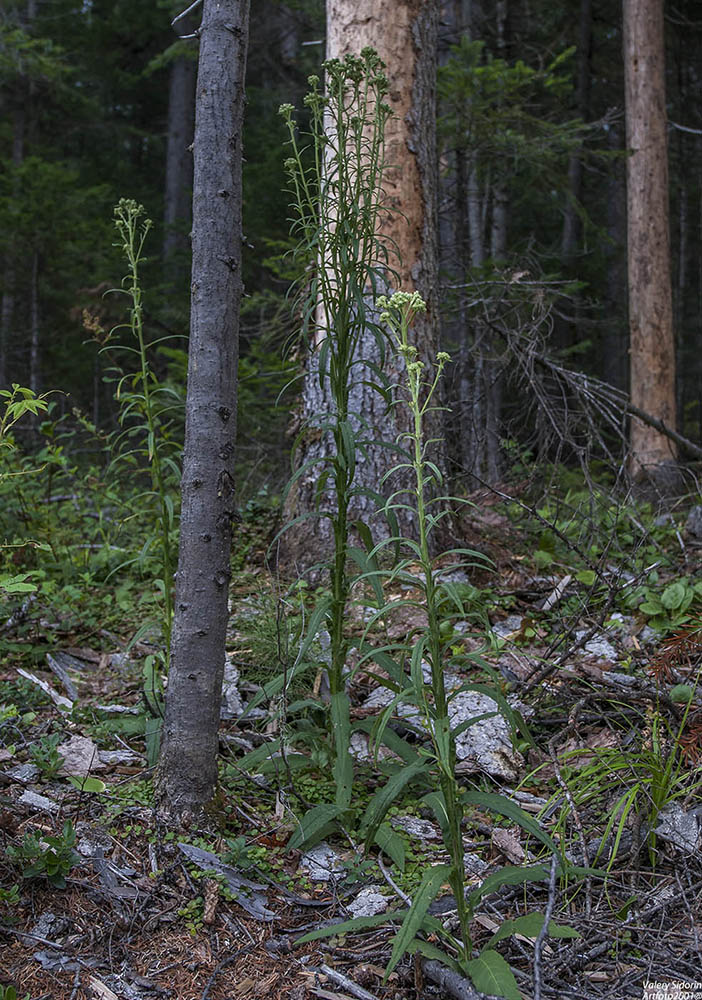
338 200
399 312
133 231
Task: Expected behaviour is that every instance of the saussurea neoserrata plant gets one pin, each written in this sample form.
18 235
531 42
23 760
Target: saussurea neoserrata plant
336 184
146 406
425 688
149 444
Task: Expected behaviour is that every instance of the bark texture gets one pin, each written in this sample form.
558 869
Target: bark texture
188 767
652 342
404 35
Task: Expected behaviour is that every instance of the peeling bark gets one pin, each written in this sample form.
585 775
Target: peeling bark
404 35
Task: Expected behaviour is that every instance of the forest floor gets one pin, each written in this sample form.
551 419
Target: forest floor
609 693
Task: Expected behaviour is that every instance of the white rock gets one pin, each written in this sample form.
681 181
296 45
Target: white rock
35 801
80 757
486 745
598 646
680 828
322 863
421 829
368 902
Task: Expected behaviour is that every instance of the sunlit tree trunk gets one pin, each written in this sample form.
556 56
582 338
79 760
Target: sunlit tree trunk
652 342
187 771
403 32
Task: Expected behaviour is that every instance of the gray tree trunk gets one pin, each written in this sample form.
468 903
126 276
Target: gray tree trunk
179 162
187 772
404 34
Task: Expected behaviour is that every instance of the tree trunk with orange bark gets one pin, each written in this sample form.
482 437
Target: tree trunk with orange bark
403 32
652 342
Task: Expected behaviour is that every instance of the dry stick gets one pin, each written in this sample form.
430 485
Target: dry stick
543 933
347 984
222 965
390 881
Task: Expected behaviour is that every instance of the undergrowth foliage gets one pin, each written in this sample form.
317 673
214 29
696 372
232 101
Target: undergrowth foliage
337 199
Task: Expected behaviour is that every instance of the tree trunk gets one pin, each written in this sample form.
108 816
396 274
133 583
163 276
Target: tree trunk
403 32
614 335
179 163
652 343
187 771
571 221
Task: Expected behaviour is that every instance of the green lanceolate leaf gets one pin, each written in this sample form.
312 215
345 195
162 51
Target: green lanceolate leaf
530 926
505 807
432 952
314 825
491 974
343 762
357 924
384 797
392 844
509 875
432 880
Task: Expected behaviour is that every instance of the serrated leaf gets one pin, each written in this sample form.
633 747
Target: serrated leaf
432 880
491 974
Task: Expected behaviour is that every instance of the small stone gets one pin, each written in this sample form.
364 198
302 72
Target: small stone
693 525
322 863
474 864
509 627
35 801
368 902
421 829
23 773
680 828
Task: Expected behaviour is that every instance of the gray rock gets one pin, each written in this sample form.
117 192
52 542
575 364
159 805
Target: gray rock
368 902
23 773
680 828
35 801
486 745
421 829
322 863
598 646
509 627
232 706
693 525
